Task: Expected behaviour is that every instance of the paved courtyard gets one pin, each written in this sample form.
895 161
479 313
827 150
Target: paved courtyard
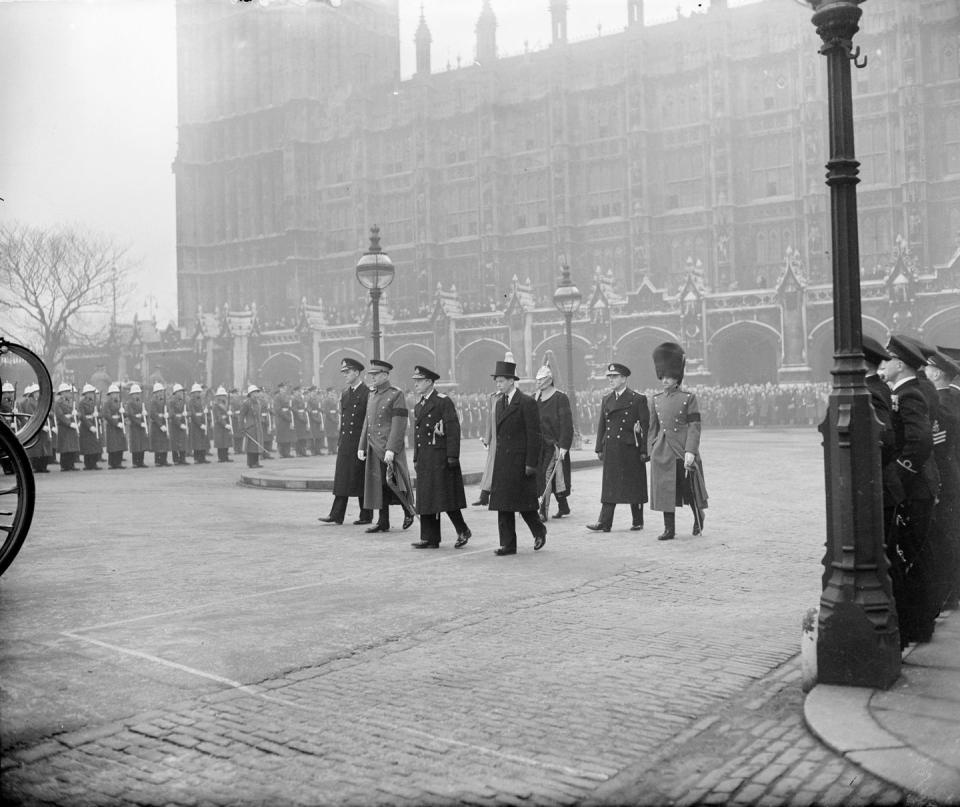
169 637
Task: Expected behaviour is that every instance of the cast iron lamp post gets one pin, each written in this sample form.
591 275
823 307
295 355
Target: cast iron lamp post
858 641
567 299
375 272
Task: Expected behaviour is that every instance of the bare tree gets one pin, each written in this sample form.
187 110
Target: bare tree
55 282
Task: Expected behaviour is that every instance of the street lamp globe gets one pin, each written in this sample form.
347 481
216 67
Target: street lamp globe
375 270
567 297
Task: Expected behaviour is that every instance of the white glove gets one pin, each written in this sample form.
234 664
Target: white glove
93 429
75 426
563 453
688 460
388 455
361 455
163 429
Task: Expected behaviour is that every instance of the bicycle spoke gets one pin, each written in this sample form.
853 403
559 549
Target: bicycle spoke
9 490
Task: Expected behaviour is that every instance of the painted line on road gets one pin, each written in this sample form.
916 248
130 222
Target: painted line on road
270 593
256 692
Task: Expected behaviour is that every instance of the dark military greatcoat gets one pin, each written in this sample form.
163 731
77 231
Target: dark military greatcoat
517 427
159 426
138 426
116 436
222 436
437 440
68 426
621 440
556 431
178 423
197 412
251 424
89 427
348 477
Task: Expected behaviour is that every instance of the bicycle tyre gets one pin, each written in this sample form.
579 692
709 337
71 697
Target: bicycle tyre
28 432
18 514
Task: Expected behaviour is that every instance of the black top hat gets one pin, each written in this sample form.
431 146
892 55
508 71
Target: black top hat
618 369
669 360
420 372
873 351
351 364
940 360
380 365
950 352
507 369
902 349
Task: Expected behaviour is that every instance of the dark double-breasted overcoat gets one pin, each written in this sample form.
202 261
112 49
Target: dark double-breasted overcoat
436 440
348 476
621 440
517 427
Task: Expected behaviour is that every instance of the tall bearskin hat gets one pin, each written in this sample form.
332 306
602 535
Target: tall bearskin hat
668 359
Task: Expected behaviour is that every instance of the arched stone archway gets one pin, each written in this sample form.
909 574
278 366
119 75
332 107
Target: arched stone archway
405 357
475 363
744 353
943 328
557 346
280 367
635 350
820 347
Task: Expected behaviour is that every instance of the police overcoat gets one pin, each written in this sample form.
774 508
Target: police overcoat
517 427
621 437
138 426
674 430
436 440
384 429
116 437
348 477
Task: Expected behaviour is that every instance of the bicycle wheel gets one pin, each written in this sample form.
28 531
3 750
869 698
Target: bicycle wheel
28 427
17 496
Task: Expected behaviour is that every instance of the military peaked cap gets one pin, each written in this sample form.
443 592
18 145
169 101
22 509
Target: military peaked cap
425 374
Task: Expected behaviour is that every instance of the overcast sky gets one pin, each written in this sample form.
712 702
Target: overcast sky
88 107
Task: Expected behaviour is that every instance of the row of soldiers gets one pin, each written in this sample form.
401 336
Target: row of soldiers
171 424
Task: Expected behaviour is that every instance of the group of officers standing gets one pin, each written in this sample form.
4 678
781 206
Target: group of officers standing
915 391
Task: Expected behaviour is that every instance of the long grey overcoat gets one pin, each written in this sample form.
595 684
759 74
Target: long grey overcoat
674 430
384 429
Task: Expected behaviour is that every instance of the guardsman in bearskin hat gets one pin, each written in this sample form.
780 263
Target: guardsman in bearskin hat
622 447
382 445
674 444
556 431
348 476
513 484
436 458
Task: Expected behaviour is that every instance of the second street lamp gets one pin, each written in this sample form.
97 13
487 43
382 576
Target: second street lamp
375 272
567 299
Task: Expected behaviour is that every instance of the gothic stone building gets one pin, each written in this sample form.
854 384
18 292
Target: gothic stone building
678 168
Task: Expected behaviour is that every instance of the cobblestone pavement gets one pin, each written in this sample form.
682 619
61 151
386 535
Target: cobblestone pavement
170 638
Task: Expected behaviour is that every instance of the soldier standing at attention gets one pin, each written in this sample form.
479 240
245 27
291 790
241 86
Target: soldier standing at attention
436 458
383 433
348 476
251 424
283 412
674 439
89 429
222 434
301 421
41 449
115 426
556 431
197 413
315 421
178 425
138 426
233 406
621 447
513 487
159 425
331 420
68 428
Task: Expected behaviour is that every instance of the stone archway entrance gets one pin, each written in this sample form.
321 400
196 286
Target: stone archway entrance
744 353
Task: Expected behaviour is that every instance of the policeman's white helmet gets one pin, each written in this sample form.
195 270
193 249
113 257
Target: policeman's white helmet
178 388
221 391
64 388
196 388
253 388
158 386
113 388
135 388
31 388
88 388
7 387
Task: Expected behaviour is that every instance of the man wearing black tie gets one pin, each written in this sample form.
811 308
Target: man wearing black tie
514 484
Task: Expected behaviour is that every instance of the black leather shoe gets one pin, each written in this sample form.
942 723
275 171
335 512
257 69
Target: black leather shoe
378 528
407 521
560 514
462 538
258 465
360 521
329 520
666 535
502 550
424 545
598 527
636 528
540 541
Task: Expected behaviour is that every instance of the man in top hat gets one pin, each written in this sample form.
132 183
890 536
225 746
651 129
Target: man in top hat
222 427
138 426
41 449
68 428
436 458
556 437
251 425
179 425
488 437
89 428
621 445
197 414
115 428
674 442
513 484
382 437
349 474
912 489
